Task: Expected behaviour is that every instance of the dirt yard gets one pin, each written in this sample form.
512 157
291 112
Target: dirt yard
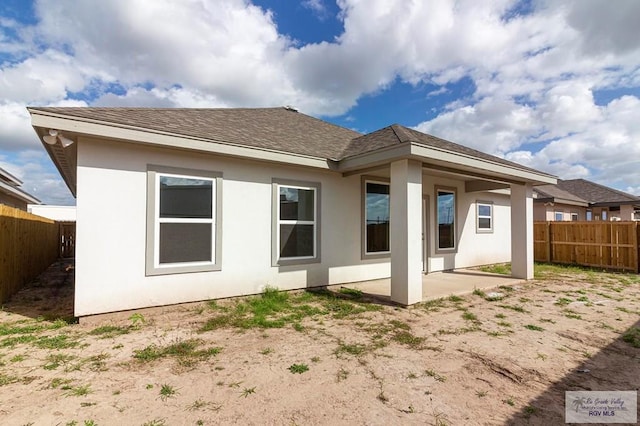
322 358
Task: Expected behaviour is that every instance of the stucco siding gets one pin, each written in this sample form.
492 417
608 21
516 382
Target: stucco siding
111 236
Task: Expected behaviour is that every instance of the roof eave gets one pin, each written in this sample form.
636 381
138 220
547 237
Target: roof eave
18 193
43 120
417 151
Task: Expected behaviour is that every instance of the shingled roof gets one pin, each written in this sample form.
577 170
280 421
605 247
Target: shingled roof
279 129
397 134
596 193
552 192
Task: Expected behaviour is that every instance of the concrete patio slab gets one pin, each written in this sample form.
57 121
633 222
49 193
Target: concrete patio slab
439 284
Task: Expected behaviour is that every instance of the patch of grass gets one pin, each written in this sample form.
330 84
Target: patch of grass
156 422
341 375
266 351
533 327
499 268
469 316
563 301
515 308
7 380
137 320
509 401
504 324
54 360
83 390
434 305
541 356
315 359
182 350
456 299
59 382
247 391
109 331
167 391
355 349
632 337
501 316
478 292
200 404
549 320
435 375
572 314
481 394
352 292
298 368
409 339
61 341
18 358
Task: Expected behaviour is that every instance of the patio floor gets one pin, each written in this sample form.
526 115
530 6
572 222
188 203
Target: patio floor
440 284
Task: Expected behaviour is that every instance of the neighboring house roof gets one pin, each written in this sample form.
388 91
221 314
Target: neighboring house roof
553 194
270 134
10 185
596 194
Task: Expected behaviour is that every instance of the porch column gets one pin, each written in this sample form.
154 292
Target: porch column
522 231
406 231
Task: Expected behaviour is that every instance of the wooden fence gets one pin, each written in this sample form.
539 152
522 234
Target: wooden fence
28 245
610 245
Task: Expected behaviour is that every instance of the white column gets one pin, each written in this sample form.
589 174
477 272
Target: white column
406 231
522 231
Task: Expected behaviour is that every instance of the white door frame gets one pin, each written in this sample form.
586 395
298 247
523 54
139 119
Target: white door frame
425 233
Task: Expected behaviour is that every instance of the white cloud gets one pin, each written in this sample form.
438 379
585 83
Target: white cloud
534 73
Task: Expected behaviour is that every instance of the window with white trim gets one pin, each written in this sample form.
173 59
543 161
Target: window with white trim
484 216
574 217
446 219
296 222
376 217
558 216
182 223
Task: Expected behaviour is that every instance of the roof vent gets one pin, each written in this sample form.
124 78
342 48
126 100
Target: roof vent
290 108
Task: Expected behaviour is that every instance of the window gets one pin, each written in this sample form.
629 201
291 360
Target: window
375 209
446 215
589 215
183 225
558 216
484 216
574 217
604 214
296 236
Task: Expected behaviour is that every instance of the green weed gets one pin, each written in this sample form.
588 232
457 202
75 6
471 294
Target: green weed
298 368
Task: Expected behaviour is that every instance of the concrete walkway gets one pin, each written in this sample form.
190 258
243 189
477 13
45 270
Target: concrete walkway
440 284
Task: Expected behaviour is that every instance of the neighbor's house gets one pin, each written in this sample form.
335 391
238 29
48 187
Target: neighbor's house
11 194
179 205
580 199
57 213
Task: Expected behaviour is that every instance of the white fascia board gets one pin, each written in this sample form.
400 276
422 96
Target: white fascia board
9 177
480 164
424 153
18 193
152 137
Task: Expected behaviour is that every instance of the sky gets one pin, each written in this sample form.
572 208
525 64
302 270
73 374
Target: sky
550 84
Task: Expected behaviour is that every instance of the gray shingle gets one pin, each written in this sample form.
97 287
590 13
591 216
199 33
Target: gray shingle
596 193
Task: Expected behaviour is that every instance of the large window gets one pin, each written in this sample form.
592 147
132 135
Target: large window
376 217
446 216
296 222
484 217
182 221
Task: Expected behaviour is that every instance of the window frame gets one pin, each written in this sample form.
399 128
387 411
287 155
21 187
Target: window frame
276 260
454 191
363 217
576 215
479 229
152 264
555 216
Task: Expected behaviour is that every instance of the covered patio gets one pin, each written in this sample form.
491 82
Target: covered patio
440 284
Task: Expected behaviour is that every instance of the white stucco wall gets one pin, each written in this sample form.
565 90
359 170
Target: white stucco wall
111 217
473 248
111 231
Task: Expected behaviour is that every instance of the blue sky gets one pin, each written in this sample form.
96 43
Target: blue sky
551 84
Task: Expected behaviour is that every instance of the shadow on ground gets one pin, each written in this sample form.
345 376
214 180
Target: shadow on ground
615 367
49 296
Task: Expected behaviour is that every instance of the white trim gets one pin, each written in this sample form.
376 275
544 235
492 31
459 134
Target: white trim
479 229
373 254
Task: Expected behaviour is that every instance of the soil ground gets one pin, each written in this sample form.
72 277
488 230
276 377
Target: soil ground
329 357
